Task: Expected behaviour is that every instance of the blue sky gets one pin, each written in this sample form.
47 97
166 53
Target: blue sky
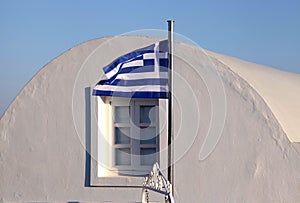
33 32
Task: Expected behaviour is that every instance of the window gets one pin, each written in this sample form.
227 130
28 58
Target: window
134 135
127 137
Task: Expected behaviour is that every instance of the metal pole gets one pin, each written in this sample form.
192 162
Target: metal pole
170 107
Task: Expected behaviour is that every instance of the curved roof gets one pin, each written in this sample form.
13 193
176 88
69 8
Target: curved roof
44 132
279 89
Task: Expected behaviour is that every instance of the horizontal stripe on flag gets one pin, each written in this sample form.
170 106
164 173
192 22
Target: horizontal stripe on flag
163 74
139 94
128 57
151 88
155 55
133 63
137 69
142 69
114 71
136 76
140 82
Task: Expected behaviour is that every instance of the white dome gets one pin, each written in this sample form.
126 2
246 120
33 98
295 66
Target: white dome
43 132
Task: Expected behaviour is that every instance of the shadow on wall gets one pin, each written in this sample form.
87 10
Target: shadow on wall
87 182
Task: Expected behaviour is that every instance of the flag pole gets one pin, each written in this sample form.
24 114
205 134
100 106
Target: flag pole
170 107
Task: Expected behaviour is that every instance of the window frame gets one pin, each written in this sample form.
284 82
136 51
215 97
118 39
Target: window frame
135 168
100 175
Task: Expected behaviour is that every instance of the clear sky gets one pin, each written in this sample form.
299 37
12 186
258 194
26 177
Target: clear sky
33 32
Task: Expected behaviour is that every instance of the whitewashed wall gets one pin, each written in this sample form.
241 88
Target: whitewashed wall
44 134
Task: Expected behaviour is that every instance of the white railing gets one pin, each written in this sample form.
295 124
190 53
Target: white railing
157 182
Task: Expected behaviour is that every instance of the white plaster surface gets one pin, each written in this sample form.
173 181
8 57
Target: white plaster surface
42 143
279 89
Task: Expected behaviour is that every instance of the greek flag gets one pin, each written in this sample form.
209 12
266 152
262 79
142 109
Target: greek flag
142 73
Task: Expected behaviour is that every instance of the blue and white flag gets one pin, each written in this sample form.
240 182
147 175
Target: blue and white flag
142 73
